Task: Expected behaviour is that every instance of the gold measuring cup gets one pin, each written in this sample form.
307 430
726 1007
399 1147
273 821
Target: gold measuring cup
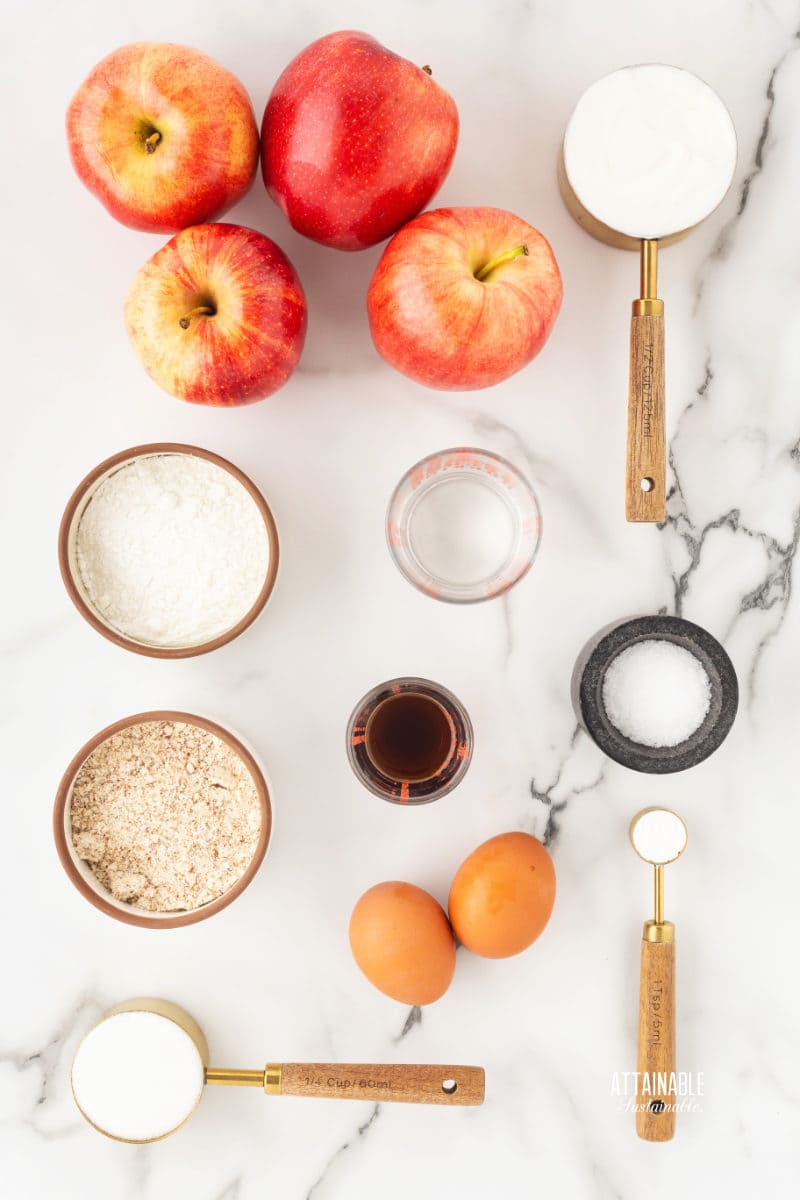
147 1089
658 836
649 152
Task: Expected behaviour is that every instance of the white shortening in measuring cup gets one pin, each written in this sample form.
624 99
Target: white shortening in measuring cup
650 150
648 153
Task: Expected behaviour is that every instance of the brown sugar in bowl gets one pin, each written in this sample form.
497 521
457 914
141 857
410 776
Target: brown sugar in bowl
67 537
80 873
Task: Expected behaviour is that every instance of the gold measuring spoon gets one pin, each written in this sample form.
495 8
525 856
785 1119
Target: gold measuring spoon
658 836
649 152
139 1074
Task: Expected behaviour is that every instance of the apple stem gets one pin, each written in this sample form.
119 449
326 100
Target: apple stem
151 142
427 70
202 310
506 256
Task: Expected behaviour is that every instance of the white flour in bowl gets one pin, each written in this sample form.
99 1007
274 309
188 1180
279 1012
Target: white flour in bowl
171 550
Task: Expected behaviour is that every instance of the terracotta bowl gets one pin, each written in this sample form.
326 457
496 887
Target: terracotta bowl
81 875
67 560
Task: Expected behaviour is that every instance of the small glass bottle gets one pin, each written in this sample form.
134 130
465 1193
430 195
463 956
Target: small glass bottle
409 741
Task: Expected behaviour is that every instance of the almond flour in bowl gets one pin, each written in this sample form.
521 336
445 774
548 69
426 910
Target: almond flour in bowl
162 819
168 550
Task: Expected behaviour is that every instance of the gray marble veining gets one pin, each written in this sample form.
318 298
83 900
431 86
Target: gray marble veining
272 977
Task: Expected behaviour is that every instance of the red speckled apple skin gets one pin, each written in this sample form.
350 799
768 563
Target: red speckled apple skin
355 141
206 151
431 317
250 342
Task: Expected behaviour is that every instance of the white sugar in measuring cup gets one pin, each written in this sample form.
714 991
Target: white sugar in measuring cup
139 1075
649 152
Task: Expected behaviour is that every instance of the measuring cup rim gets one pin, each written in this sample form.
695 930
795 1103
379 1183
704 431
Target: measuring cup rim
169 1011
594 225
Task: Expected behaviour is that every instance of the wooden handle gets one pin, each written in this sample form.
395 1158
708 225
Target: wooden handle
655 1114
646 473
375 1081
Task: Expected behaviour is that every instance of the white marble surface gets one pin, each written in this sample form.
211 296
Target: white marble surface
272 976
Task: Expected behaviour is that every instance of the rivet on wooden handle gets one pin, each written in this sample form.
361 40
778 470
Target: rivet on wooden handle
402 1083
646 471
655 1113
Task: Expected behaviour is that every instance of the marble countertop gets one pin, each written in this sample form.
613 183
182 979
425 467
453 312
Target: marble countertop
272 976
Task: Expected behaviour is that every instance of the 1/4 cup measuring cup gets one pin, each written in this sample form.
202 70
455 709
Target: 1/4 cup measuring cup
139 1075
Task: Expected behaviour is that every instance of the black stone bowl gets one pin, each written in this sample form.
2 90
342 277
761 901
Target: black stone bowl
587 693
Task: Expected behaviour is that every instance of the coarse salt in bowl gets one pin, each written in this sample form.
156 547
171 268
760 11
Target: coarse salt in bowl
187 827
168 550
657 694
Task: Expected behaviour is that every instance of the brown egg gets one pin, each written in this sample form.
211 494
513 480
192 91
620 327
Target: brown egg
401 940
502 895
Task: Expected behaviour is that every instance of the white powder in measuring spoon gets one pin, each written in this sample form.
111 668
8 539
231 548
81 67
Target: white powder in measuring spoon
656 693
137 1076
171 550
461 531
659 835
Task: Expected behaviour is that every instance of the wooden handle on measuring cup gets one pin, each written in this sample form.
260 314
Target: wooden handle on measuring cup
374 1081
646 477
646 468
655 1114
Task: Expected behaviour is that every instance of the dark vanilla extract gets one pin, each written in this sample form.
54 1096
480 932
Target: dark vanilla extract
409 737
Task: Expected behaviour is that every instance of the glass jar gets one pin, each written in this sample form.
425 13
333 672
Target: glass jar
409 741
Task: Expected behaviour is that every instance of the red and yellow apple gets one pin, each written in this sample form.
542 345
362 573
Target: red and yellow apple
163 136
463 297
218 315
355 140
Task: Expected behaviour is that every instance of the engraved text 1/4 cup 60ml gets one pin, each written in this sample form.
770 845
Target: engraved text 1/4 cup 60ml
409 741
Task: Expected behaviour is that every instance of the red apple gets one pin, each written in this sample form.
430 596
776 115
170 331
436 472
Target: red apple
164 136
463 297
218 315
355 140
